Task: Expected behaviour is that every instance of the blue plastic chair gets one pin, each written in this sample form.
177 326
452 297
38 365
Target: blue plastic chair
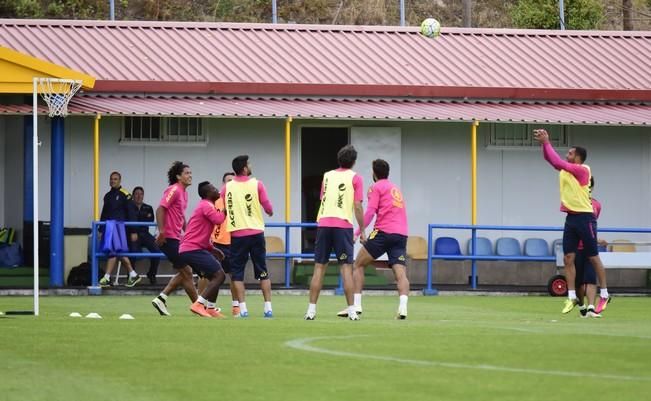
508 247
447 246
536 247
483 248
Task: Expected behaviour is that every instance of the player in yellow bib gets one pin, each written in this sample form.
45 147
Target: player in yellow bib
245 199
342 193
580 223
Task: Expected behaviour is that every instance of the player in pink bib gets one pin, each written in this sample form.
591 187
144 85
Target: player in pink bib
388 236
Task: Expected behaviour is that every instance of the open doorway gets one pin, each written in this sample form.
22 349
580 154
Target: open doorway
319 147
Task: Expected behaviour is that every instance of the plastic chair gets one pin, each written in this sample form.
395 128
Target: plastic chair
483 248
536 247
559 243
447 246
274 244
416 247
508 246
622 245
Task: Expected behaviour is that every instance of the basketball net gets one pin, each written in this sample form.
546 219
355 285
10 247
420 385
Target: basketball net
57 93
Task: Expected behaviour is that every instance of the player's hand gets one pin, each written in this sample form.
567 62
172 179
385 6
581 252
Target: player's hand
217 253
160 239
134 237
362 237
602 242
541 135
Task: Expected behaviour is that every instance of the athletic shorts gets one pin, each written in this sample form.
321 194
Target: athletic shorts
202 261
585 273
580 227
242 248
171 250
394 245
226 249
339 239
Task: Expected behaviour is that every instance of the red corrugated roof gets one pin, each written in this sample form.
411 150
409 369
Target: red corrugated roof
342 60
355 109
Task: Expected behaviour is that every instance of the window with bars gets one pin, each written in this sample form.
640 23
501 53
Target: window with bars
172 130
520 136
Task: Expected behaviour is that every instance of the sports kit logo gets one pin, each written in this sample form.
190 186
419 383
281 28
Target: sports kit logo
343 256
249 205
229 206
340 196
397 197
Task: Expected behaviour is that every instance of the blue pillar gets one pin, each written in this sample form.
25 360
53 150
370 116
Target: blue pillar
56 203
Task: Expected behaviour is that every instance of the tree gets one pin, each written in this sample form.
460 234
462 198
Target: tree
543 14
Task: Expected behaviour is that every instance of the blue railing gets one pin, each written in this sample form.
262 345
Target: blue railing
429 290
287 254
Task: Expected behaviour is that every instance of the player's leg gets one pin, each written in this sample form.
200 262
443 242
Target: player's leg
238 259
134 277
397 252
343 245
579 283
322 248
147 240
258 255
589 237
570 245
204 262
363 258
226 265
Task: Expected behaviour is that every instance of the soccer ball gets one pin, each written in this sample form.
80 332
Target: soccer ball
430 28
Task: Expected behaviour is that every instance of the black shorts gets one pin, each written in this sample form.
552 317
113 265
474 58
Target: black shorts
339 239
226 249
243 247
202 261
585 273
394 245
171 249
580 227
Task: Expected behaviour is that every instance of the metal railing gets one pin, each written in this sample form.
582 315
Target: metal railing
287 254
429 290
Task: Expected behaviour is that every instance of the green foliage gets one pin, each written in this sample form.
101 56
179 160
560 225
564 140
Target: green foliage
543 14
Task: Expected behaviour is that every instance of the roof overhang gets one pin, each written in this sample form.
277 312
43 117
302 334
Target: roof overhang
366 90
340 108
18 70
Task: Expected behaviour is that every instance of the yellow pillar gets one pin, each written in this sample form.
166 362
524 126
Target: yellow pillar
96 168
473 169
288 185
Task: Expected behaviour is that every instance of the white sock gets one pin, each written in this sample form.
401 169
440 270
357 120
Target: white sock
211 305
267 306
403 301
591 306
202 300
603 292
235 303
311 308
243 307
571 294
357 300
163 295
133 274
352 310
107 276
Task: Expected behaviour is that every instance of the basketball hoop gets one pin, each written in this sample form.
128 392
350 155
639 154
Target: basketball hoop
57 93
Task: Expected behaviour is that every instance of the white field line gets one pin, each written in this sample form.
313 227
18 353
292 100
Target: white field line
304 344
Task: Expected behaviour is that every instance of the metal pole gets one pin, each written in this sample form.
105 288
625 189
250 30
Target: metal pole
112 10
96 168
561 12
402 12
35 189
56 204
274 11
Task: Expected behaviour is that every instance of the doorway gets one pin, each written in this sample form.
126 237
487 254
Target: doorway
319 147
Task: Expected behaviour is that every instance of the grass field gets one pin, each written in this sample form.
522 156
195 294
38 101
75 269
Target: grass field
450 348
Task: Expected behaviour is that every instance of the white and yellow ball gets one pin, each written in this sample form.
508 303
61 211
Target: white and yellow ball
430 27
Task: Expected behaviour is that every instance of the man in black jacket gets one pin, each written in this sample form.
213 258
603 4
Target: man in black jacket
144 212
116 207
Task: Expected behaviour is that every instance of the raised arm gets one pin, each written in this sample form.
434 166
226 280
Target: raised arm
577 170
264 199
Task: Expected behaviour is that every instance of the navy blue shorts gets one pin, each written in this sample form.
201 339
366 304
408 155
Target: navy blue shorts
394 245
243 247
201 261
585 273
339 239
226 249
171 249
580 227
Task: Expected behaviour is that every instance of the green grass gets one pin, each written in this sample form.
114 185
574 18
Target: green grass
450 348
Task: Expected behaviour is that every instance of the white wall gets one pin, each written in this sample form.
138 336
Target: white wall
515 187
